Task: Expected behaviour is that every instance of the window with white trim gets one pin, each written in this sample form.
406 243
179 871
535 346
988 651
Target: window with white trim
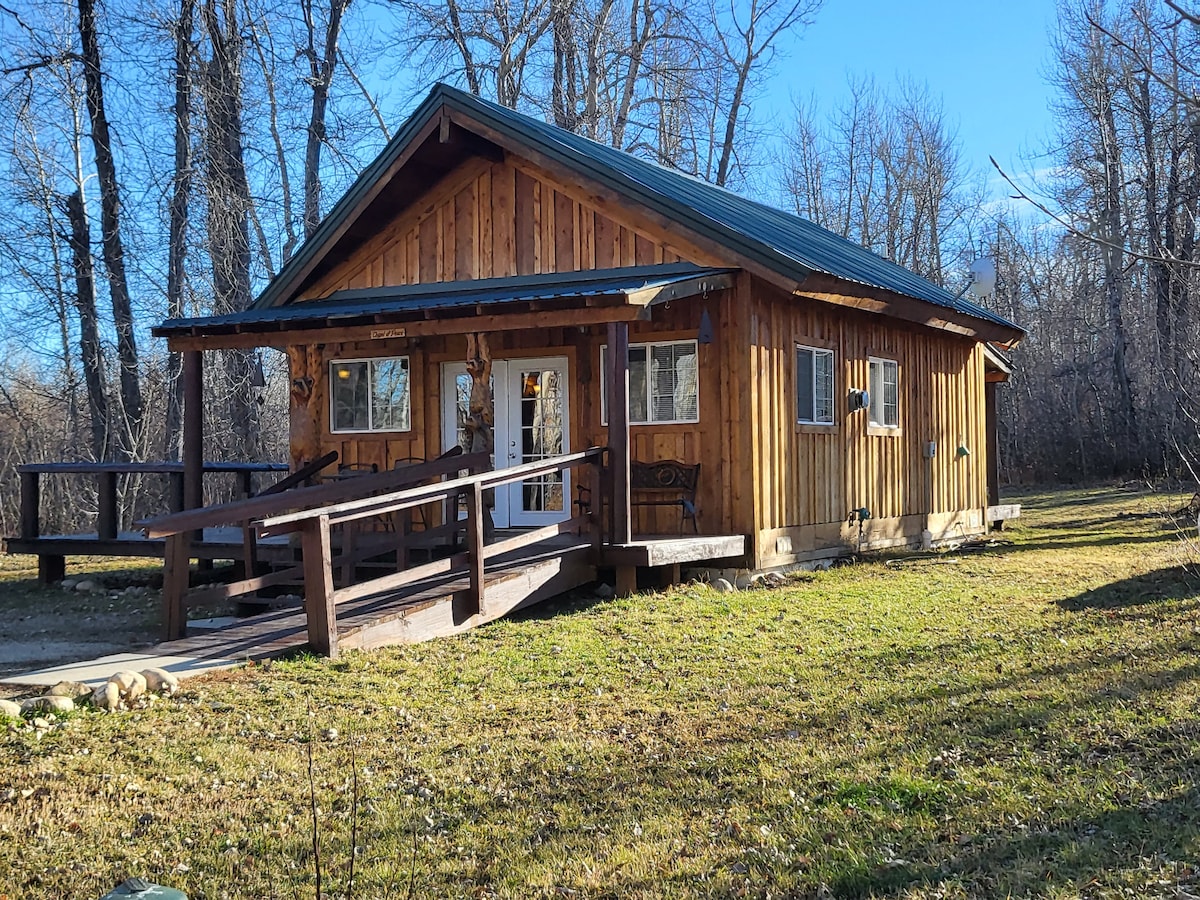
664 383
814 386
885 393
369 395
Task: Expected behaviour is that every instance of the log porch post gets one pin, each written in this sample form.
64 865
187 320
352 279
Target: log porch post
618 430
193 429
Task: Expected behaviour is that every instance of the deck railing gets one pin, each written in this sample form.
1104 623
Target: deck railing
107 516
315 524
180 530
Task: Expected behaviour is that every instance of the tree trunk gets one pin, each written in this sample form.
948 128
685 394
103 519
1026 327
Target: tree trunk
114 252
177 239
304 419
320 78
90 349
229 210
481 411
1112 219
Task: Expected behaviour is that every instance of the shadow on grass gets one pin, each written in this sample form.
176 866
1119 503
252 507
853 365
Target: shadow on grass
1170 583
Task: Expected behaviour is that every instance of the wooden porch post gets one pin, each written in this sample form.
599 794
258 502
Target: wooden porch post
618 429
193 429
993 446
318 587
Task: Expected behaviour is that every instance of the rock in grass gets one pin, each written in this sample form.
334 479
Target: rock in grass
9 710
775 579
107 697
76 690
85 586
160 681
48 703
604 591
722 586
131 684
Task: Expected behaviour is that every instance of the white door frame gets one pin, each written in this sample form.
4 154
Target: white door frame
506 433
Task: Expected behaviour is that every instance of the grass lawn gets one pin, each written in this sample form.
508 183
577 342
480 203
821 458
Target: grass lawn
1018 722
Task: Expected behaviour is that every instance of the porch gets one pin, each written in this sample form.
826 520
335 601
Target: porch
401 527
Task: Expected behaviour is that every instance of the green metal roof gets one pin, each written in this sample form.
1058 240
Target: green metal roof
643 285
782 242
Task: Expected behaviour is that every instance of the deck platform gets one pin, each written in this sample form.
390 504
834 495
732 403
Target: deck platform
668 552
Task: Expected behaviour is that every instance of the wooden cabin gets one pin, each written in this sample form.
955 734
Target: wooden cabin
832 399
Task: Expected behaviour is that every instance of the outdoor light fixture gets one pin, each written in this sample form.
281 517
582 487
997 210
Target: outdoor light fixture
962 451
705 334
858 399
258 378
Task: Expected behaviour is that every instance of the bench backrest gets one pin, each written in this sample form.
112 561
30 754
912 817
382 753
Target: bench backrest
667 475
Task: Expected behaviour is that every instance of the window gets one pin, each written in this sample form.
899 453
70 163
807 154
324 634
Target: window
814 386
369 394
885 395
663 383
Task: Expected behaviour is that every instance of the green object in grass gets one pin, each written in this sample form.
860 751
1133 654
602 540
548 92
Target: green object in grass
137 888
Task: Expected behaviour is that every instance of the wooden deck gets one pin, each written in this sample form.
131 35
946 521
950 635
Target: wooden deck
366 589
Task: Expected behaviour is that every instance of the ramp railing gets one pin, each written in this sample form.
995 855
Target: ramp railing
315 525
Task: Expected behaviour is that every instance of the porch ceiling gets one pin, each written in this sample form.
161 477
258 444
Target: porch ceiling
491 304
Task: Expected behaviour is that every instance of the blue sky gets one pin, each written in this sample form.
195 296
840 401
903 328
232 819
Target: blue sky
985 59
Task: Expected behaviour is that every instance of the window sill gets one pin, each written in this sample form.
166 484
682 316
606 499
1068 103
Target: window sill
814 428
884 430
380 433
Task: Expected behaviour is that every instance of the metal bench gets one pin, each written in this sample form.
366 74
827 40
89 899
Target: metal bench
665 483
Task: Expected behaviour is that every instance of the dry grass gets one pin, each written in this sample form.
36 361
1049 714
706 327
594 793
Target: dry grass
1017 722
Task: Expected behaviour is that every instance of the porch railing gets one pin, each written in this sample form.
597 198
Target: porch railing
107 515
180 530
315 524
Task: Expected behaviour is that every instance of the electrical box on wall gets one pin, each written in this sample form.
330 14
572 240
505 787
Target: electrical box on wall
930 449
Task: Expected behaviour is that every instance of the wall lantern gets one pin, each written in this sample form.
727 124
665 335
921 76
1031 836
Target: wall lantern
858 399
705 334
258 378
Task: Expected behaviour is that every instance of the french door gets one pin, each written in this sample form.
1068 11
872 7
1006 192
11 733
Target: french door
532 422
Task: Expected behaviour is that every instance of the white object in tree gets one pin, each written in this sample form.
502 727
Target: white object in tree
983 277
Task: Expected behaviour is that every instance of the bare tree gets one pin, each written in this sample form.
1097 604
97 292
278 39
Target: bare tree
110 233
321 68
746 40
181 189
229 206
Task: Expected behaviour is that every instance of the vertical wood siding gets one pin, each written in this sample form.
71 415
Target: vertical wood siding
489 220
788 487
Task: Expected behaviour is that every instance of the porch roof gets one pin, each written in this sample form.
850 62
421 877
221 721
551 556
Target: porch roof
620 289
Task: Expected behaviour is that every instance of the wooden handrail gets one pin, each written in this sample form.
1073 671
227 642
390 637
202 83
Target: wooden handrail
106 473
397 501
300 476
314 525
144 468
254 508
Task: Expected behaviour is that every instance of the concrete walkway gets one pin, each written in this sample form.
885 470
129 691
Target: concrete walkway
261 637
